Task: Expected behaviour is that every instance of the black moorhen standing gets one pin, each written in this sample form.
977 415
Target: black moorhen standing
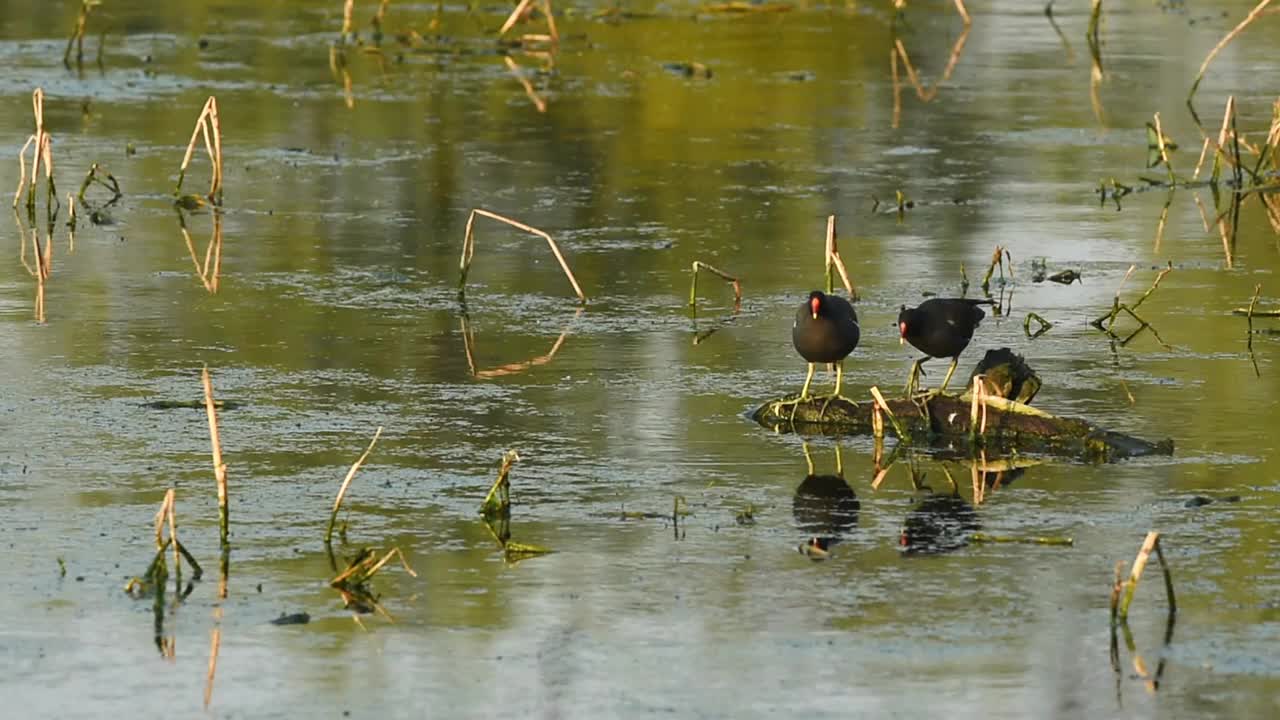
825 331
939 327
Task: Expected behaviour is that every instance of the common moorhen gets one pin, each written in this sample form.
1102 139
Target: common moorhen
825 331
939 327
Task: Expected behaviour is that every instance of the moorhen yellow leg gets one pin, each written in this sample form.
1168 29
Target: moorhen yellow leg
954 361
917 371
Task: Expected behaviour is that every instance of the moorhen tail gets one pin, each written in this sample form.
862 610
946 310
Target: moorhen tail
825 331
939 327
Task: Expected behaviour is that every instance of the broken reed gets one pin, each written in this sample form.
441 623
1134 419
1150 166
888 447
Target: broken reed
498 501
98 175
1118 307
207 125
832 259
693 285
1122 591
219 467
526 8
77 34
346 482
41 144
469 249
998 258
1204 67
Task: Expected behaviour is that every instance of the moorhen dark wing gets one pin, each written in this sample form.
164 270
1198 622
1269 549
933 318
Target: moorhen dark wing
942 327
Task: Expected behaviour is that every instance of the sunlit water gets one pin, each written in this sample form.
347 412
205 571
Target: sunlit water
337 313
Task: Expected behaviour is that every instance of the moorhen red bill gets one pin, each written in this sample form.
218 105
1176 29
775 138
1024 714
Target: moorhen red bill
825 331
940 328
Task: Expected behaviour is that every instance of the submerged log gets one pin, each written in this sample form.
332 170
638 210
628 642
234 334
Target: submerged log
945 419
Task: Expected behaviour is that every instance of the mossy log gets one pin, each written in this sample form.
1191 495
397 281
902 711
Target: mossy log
945 419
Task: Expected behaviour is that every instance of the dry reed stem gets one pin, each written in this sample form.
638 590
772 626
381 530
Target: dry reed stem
1220 153
208 127
1253 303
1155 284
367 571
78 33
534 97
1204 151
1273 211
219 467
469 247
1164 151
1135 573
832 253
380 15
893 420
168 511
693 286
1164 219
515 16
347 8
978 399
964 14
544 6
346 482
1149 544
1253 14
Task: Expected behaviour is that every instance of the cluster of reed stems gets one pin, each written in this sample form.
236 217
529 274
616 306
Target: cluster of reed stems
41 144
207 125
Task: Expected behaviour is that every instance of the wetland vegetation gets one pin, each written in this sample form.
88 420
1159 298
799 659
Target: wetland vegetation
290 284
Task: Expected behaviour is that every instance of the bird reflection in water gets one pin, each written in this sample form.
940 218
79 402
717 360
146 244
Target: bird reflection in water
939 523
824 507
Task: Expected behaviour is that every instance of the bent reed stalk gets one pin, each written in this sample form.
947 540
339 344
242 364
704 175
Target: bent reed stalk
469 249
346 483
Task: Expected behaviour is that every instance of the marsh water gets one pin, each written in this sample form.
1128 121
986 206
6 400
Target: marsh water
337 312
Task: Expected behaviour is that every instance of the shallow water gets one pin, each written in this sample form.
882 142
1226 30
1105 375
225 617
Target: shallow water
337 313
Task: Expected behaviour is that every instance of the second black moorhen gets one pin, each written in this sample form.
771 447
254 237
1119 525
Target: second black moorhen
825 331
939 327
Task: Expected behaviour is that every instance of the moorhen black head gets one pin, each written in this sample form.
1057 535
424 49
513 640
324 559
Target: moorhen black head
825 331
939 327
